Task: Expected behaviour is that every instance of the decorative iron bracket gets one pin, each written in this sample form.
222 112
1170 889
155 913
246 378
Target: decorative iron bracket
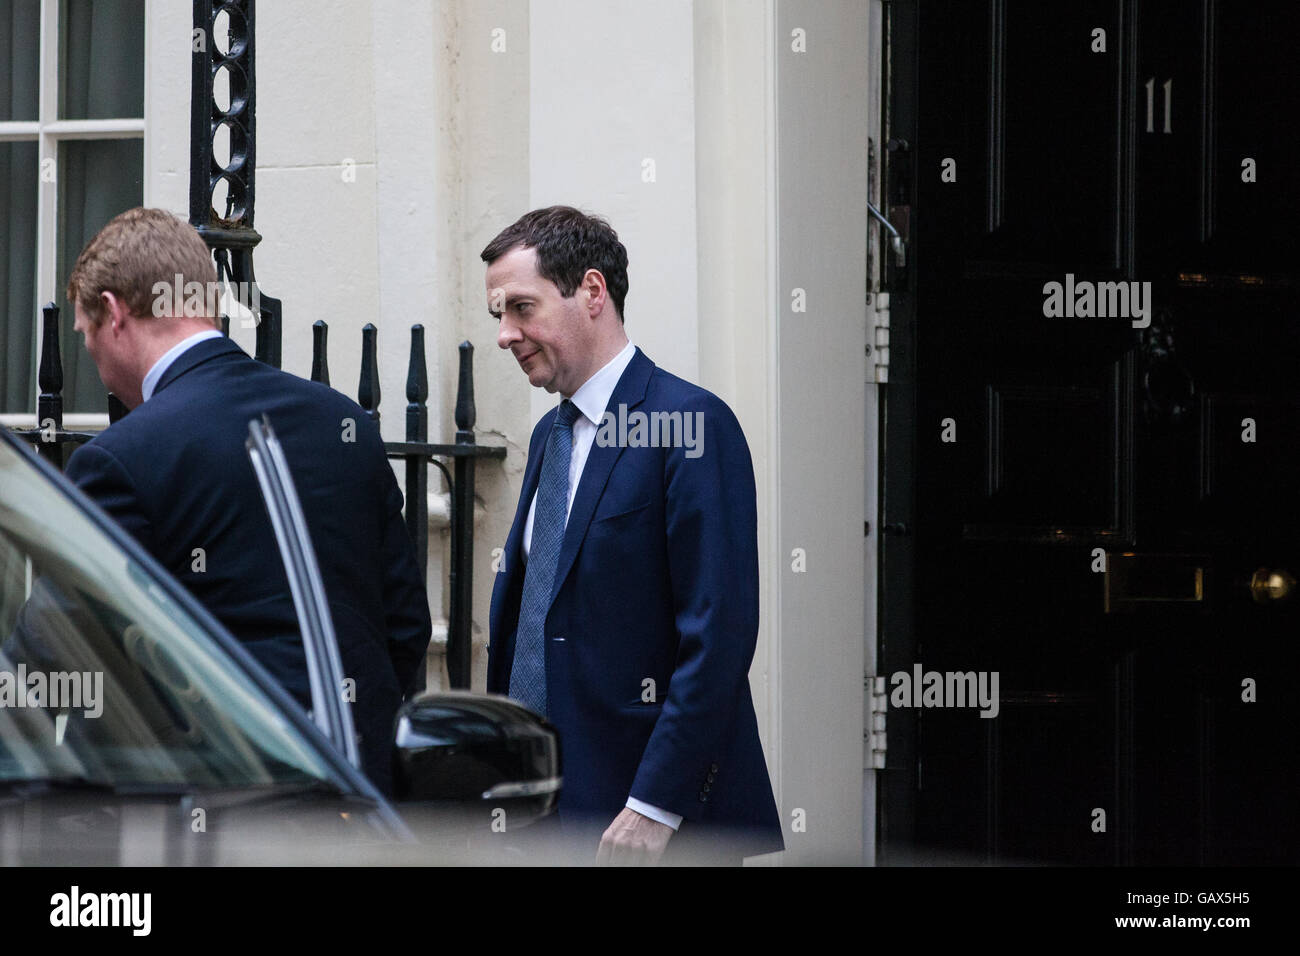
223 46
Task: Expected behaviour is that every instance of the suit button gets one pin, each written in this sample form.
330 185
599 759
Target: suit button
704 798
713 768
706 788
709 778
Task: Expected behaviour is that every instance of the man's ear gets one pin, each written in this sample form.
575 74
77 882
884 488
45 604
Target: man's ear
114 311
593 283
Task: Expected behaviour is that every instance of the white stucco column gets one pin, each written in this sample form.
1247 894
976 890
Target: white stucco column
782 101
822 82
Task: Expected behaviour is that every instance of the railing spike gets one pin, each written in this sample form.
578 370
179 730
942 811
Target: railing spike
49 404
368 389
417 466
460 626
50 375
320 366
417 377
466 415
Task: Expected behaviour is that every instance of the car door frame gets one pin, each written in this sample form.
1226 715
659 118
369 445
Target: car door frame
320 644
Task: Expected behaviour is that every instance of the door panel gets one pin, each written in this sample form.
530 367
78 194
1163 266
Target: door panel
1038 145
1093 495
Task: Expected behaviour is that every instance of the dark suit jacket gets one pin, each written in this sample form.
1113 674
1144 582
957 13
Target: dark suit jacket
176 475
657 579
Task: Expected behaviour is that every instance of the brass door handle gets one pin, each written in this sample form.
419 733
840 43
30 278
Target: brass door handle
1267 586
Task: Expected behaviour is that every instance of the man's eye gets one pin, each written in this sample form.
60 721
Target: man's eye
524 306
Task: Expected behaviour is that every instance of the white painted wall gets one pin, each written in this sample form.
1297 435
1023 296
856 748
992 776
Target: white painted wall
759 186
481 53
167 106
612 131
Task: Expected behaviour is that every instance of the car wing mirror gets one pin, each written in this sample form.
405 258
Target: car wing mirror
477 753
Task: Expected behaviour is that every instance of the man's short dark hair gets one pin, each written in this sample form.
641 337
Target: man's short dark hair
568 243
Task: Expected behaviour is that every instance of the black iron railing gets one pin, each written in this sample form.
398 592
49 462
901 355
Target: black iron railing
51 441
417 452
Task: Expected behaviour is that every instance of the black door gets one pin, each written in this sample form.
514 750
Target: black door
1092 435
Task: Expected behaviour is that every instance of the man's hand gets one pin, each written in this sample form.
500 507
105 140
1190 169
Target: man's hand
633 840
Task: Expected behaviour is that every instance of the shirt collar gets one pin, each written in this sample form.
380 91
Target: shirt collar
593 396
171 355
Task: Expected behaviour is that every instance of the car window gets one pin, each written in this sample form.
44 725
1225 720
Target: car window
104 676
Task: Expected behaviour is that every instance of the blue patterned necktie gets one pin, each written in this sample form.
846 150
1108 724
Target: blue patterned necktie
528 672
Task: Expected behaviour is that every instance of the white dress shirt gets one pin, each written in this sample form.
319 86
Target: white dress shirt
171 355
592 399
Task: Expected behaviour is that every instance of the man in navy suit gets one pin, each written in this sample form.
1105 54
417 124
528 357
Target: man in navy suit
175 474
626 609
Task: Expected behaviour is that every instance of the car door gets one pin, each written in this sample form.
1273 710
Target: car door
134 728
325 671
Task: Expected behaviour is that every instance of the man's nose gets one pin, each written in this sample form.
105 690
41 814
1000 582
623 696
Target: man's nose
507 333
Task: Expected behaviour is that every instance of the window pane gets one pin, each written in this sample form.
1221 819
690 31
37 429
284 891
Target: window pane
97 180
20 49
101 59
18 173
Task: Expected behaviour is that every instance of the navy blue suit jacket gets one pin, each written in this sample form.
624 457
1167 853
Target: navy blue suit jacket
176 475
657 579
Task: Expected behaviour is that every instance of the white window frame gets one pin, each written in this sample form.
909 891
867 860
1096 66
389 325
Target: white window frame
49 131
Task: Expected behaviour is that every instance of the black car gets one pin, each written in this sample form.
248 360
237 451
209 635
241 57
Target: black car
135 729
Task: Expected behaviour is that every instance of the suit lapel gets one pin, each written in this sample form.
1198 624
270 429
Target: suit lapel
629 391
533 475
514 553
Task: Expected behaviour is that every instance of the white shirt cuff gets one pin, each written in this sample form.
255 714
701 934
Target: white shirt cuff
673 820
